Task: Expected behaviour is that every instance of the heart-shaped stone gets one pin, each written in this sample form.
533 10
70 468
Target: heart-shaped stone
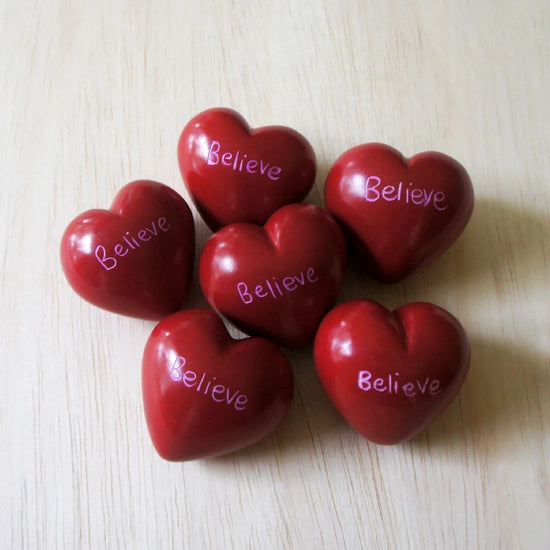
400 214
279 280
390 373
137 258
206 394
236 174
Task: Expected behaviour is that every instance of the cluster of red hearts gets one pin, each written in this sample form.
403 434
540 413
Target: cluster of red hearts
274 267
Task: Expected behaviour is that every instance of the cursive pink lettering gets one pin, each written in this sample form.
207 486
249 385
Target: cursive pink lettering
130 242
239 162
391 384
417 196
276 287
107 262
205 385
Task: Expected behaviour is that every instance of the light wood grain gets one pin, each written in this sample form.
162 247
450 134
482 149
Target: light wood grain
95 94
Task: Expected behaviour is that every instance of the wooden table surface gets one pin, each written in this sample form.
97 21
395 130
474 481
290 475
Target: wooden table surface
94 94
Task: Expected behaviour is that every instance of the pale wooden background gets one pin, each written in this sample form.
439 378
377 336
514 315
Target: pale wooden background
95 93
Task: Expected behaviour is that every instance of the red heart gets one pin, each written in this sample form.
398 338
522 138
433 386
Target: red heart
135 259
390 374
401 214
236 174
278 280
206 394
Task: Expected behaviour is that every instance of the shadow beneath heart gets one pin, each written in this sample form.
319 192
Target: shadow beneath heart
317 192
310 423
503 245
196 298
503 402
503 249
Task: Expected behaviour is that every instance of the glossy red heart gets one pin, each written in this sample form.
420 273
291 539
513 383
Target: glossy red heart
135 259
277 280
236 174
400 214
390 373
206 394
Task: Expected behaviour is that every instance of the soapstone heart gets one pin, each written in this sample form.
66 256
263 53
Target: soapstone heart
237 174
135 259
390 374
399 214
206 394
279 280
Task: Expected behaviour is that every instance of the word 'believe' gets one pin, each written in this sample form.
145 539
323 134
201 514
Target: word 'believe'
277 287
217 392
390 384
409 195
132 242
238 163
